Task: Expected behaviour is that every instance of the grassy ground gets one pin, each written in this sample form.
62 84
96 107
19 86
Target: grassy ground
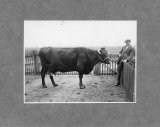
98 89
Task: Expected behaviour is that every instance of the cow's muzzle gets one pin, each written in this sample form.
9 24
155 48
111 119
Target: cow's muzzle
107 60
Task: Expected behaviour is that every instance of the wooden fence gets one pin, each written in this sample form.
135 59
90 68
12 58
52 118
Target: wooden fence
107 69
128 81
33 66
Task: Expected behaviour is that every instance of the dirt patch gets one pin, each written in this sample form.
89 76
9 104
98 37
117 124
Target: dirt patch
98 89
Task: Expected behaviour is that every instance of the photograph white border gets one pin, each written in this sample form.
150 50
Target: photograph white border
135 84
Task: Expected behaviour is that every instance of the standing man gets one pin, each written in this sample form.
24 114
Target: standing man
125 55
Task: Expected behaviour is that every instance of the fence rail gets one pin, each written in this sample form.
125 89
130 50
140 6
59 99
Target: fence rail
33 66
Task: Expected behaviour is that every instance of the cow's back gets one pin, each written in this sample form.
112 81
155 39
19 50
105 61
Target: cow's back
58 56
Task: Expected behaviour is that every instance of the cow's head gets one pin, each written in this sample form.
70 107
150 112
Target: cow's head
104 56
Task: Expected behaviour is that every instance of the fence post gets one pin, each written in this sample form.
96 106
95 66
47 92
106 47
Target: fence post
36 62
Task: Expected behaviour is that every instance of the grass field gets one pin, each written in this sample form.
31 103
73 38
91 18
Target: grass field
98 89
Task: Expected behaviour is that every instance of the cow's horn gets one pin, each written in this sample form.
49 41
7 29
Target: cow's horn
99 51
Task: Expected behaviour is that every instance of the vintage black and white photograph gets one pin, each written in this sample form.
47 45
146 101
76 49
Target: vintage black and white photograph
74 61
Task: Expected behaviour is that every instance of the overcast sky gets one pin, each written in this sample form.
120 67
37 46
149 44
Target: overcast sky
78 33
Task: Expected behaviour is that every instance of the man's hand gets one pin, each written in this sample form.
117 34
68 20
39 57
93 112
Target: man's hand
125 60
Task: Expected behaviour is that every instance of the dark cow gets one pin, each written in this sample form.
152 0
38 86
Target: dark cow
70 59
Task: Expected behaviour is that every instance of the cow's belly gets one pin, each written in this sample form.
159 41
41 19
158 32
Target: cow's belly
66 69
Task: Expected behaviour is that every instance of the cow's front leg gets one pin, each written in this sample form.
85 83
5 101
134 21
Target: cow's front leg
80 81
53 82
43 71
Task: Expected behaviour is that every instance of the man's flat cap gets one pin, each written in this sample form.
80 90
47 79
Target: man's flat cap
128 40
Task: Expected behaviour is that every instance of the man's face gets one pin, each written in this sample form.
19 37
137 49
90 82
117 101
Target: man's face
128 43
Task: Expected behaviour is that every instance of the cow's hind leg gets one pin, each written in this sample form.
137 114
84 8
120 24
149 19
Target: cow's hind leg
43 72
80 81
80 66
53 82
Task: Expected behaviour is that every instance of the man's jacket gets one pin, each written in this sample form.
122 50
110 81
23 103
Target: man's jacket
128 54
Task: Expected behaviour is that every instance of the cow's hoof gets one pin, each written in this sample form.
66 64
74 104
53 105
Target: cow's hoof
44 86
55 85
82 87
